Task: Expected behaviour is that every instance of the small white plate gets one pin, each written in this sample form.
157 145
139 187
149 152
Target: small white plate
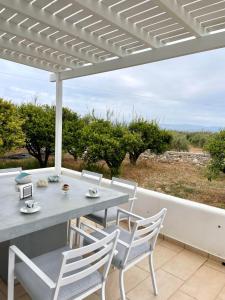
26 210
92 196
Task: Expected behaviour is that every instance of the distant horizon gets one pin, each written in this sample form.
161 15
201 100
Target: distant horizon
183 91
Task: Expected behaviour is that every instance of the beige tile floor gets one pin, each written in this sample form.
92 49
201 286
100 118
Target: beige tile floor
181 275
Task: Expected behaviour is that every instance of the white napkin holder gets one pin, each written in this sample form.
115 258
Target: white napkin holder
26 190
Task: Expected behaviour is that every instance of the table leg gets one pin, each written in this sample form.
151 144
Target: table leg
105 218
77 236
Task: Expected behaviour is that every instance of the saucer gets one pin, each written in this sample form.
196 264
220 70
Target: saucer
53 178
92 196
26 210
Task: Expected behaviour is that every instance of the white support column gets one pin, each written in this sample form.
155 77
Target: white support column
58 125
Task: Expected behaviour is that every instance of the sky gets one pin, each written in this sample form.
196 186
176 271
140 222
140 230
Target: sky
186 90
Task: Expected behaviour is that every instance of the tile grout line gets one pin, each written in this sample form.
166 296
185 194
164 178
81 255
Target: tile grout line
183 293
128 291
149 276
184 281
164 262
220 291
214 268
188 279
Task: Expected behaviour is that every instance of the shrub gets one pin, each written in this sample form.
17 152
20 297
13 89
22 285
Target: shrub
179 142
216 148
198 139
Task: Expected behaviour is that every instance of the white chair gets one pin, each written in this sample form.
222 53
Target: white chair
91 177
103 217
10 170
133 246
64 273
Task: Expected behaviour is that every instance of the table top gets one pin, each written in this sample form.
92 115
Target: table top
56 206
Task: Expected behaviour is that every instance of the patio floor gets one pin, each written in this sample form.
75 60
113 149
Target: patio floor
181 275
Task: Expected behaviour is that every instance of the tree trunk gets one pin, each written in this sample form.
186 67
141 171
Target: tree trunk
115 171
36 153
114 168
133 158
74 154
42 163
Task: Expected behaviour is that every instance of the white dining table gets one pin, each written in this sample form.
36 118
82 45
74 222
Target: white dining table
46 229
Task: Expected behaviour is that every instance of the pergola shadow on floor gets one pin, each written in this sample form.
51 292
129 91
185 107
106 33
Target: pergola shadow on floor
182 274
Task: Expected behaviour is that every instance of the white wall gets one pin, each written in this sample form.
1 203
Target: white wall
196 224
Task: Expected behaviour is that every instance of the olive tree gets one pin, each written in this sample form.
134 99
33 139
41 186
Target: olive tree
151 138
11 134
72 126
39 130
103 140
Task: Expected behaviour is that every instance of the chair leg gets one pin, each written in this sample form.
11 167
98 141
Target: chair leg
153 275
68 231
11 275
102 295
129 224
122 289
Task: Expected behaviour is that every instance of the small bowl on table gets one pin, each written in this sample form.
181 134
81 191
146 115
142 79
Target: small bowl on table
53 178
65 188
23 178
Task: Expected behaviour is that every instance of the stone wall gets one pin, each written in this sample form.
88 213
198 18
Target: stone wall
174 156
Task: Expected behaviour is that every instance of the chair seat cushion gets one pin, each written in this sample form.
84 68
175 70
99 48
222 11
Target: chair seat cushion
99 216
50 264
124 236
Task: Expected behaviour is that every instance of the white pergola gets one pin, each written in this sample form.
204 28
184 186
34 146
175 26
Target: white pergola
74 38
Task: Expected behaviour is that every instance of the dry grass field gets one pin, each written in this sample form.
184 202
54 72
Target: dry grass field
178 178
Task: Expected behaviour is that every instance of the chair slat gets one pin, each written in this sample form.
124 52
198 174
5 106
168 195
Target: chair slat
147 229
10 170
91 177
87 260
89 248
125 186
152 219
143 231
145 238
80 275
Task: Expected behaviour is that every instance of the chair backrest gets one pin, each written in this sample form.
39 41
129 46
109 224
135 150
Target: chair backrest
146 231
126 186
10 170
91 177
79 263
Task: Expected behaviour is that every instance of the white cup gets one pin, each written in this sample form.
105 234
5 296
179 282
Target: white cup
93 191
31 204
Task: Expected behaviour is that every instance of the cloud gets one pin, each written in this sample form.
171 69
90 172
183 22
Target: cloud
188 90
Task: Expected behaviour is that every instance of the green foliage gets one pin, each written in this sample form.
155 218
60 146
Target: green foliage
198 139
216 148
179 142
72 126
103 140
39 129
151 137
25 164
11 135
